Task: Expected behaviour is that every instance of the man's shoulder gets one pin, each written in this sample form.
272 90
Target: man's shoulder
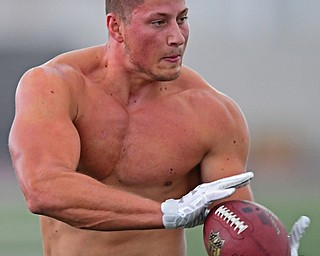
206 98
198 88
67 64
79 57
218 113
49 74
53 77
193 80
64 68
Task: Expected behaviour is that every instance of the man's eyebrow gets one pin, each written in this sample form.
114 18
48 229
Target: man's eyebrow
163 14
185 11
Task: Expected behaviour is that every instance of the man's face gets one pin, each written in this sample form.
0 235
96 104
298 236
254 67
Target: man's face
156 37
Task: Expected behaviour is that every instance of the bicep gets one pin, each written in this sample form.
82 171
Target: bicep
38 142
226 157
42 134
214 167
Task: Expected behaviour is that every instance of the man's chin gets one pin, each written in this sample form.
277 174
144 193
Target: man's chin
168 75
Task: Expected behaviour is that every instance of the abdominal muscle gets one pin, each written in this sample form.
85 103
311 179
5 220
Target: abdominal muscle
60 239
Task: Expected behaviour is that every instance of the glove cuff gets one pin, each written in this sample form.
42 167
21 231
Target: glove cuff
169 209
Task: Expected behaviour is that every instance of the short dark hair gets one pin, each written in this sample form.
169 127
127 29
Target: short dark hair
122 8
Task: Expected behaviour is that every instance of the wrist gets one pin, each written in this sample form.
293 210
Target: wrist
169 210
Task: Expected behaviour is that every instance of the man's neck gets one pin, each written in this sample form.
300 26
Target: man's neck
128 84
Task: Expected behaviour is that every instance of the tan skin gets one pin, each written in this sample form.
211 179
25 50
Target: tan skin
103 135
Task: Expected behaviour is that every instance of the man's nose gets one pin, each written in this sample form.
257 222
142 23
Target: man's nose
176 37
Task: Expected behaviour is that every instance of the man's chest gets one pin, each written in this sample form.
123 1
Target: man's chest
148 144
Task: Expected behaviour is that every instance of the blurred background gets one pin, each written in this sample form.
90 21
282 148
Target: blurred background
265 54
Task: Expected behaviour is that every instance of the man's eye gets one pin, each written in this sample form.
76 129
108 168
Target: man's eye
183 19
158 22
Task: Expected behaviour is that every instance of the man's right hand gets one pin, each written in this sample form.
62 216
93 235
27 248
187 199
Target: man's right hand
298 229
191 210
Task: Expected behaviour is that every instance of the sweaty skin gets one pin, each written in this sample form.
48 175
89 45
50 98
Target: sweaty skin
105 134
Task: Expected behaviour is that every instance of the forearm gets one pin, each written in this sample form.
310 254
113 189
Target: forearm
83 202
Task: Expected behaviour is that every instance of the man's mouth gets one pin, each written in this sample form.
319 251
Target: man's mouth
173 58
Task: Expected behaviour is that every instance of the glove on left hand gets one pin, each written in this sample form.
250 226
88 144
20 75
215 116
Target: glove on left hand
191 209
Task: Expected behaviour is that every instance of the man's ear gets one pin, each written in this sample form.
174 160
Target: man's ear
113 25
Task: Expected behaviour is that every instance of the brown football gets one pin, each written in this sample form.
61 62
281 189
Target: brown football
243 228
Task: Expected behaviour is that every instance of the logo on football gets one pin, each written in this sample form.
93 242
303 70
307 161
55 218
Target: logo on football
215 244
244 228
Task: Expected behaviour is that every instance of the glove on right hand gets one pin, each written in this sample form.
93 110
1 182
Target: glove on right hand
298 229
191 210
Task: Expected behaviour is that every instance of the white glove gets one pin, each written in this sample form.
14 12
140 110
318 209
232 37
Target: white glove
191 210
297 231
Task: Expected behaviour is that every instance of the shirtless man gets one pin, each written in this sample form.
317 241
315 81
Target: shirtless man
104 137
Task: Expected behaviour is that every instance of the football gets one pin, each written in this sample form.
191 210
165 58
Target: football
243 228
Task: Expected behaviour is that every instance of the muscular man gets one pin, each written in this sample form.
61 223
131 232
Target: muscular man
104 136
